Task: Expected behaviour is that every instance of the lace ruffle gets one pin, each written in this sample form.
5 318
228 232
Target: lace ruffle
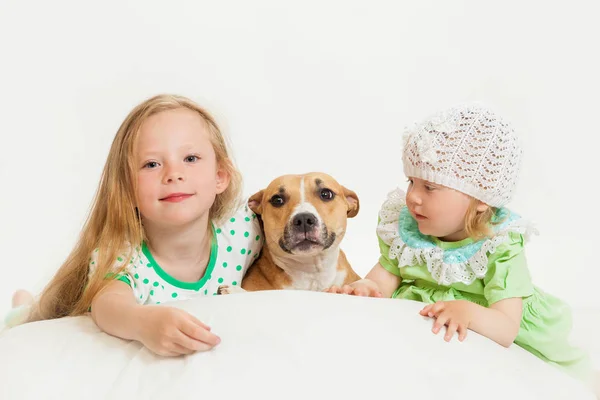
410 247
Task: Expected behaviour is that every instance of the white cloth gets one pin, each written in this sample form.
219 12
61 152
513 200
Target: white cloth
279 345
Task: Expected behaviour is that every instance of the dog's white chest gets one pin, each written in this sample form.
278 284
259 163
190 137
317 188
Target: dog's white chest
315 274
316 282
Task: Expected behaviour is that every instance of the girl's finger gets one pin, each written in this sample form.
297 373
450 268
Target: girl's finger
462 332
439 322
347 289
426 309
198 333
179 349
198 322
452 327
187 345
437 308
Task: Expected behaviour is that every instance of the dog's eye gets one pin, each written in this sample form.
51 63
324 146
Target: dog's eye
277 201
327 194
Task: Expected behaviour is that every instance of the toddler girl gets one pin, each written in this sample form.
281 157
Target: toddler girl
450 242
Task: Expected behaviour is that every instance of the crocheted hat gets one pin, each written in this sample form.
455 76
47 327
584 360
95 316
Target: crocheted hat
468 148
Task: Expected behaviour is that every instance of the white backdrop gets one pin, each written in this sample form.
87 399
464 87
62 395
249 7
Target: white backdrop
304 86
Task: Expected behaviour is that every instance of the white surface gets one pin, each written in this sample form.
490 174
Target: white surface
316 85
284 344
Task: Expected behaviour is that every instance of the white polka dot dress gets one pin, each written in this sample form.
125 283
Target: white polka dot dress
236 243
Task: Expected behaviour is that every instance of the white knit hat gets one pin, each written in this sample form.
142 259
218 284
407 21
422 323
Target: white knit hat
468 148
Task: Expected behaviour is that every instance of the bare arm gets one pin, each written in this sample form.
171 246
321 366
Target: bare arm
116 312
379 282
385 281
500 322
167 331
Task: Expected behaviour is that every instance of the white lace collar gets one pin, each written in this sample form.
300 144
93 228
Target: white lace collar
461 264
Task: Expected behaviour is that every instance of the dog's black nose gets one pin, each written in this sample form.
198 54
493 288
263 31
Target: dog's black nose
304 221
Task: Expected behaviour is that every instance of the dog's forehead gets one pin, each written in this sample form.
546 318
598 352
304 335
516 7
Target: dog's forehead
294 183
321 181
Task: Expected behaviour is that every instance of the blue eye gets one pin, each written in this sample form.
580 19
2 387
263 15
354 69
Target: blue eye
192 158
151 164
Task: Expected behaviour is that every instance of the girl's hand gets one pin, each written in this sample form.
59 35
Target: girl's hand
169 331
456 314
359 288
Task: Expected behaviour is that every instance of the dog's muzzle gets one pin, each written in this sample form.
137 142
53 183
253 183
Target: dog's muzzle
305 233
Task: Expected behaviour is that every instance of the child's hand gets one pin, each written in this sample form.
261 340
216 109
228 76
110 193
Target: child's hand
358 288
169 331
456 314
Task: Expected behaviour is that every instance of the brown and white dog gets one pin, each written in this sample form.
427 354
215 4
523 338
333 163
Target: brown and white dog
304 220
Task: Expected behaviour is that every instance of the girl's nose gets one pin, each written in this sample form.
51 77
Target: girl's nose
413 197
172 175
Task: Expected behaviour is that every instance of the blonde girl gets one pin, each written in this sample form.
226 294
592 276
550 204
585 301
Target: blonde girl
166 224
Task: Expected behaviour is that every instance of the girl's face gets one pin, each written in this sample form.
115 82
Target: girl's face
178 176
438 210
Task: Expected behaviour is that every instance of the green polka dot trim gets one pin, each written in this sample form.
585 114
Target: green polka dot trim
219 230
246 234
232 219
232 232
247 219
146 281
234 283
152 293
174 295
136 276
238 268
225 264
229 248
155 284
243 251
220 280
257 238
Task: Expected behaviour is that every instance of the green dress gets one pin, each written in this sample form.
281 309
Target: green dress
483 272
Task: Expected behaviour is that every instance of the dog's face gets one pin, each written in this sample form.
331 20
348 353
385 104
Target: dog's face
304 214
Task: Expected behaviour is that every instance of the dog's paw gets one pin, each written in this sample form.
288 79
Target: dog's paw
223 289
226 289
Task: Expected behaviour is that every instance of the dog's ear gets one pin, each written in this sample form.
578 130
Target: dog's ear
255 202
352 201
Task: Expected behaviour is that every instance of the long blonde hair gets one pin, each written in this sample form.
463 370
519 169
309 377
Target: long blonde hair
114 221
